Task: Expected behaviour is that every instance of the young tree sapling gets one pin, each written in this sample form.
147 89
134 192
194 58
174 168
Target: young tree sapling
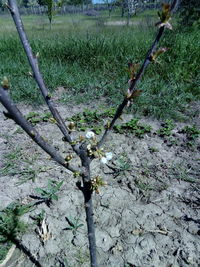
86 148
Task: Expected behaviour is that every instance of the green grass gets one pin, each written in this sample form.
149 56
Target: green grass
89 59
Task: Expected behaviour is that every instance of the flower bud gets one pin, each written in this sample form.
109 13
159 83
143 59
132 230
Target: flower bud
81 138
5 83
71 125
68 158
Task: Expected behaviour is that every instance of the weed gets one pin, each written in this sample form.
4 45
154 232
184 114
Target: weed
49 193
121 166
86 119
11 227
143 186
39 218
11 161
27 175
35 117
171 141
4 248
166 128
81 256
123 163
192 132
133 126
153 149
62 262
74 224
91 119
19 131
182 174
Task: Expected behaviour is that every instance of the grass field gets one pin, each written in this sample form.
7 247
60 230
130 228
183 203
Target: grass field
89 59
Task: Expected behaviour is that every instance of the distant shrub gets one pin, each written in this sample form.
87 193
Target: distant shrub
190 12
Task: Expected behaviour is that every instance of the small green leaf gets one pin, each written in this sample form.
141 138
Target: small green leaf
54 197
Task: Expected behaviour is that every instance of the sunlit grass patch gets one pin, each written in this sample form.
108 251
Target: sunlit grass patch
89 59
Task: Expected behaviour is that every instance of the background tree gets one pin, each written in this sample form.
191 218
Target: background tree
190 12
50 5
78 2
42 2
25 3
1 5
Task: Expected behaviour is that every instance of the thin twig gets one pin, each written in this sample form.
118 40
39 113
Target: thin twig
132 87
15 114
36 72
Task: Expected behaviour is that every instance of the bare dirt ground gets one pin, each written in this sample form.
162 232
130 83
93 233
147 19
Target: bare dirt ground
147 215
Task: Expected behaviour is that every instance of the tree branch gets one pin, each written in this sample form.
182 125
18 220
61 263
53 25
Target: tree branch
174 5
135 81
36 72
132 86
87 192
16 115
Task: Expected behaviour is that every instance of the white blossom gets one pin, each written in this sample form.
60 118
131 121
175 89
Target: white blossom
89 147
108 155
90 135
104 160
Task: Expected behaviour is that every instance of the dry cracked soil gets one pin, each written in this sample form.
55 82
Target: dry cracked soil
146 216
